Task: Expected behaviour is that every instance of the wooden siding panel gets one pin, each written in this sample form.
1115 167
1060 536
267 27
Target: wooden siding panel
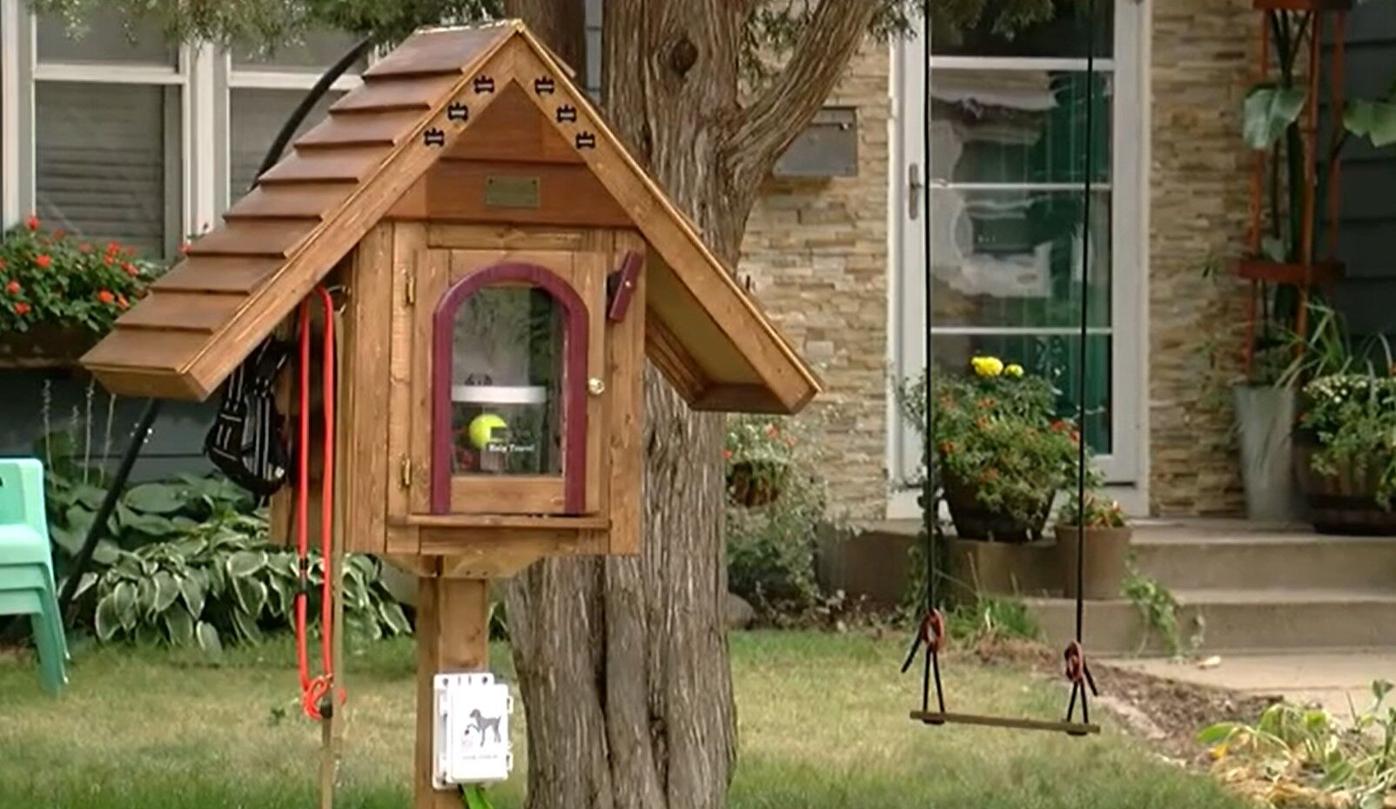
274 238
300 201
351 165
419 94
379 129
182 311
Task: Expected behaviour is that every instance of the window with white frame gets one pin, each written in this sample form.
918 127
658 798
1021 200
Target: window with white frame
265 88
108 131
1006 131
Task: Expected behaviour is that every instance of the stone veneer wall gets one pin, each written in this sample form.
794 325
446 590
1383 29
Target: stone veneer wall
817 252
1203 62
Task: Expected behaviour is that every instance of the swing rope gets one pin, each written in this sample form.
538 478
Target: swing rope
1077 671
316 700
931 631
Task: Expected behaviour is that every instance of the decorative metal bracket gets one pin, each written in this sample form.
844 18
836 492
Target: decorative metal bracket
434 137
586 140
457 112
484 84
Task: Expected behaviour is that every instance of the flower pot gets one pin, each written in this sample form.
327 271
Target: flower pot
756 483
1344 503
974 521
45 346
1265 416
1107 550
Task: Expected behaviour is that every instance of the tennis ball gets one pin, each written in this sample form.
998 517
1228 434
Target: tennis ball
482 428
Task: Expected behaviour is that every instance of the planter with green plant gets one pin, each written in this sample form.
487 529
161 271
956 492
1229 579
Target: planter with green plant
58 293
1000 452
1104 532
1346 461
758 454
1294 188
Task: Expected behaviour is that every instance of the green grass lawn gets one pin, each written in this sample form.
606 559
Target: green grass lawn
822 724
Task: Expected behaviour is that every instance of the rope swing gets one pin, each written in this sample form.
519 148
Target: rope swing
931 633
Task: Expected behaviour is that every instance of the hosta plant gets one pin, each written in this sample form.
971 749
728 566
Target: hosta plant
222 581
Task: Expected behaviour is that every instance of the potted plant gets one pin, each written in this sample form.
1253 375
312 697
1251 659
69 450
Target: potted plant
1282 262
758 455
1106 534
1001 453
1346 460
59 294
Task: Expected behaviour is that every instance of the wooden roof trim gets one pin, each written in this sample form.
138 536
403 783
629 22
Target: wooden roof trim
272 300
689 233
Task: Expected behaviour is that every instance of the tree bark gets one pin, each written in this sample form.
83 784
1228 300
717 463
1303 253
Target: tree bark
623 663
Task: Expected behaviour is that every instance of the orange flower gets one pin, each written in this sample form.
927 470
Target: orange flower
43 261
112 248
727 455
85 247
12 287
58 233
122 302
21 308
947 448
32 222
131 269
105 296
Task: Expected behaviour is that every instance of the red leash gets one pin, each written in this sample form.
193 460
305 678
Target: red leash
315 691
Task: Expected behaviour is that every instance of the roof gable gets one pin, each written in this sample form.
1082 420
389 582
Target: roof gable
345 174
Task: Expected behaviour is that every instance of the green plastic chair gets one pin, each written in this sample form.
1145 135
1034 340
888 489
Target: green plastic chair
26 565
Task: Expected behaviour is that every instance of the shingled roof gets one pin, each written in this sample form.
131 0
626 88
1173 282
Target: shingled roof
344 175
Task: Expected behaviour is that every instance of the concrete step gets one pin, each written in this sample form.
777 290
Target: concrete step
1235 620
1239 555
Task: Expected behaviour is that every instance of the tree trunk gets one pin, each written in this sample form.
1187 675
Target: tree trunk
623 663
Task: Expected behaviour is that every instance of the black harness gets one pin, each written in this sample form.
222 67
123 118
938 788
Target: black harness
261 464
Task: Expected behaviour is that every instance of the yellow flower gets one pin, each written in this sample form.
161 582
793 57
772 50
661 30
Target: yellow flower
987 366
1014 370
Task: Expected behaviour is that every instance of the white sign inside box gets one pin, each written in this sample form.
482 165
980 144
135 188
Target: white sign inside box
471 741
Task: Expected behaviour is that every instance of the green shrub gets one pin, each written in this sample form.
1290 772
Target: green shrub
222 581
188 561
771 547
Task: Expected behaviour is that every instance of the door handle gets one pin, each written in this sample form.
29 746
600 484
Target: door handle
914 188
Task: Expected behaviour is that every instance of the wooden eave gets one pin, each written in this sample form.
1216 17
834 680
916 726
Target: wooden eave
705 332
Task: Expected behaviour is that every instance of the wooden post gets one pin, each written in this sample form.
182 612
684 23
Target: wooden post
453 635
332 729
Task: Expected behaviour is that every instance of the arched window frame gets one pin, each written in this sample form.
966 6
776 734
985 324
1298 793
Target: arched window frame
574 377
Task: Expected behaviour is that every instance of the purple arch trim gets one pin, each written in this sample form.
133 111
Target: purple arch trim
574 378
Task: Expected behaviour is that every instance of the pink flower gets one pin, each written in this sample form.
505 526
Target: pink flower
12 287
21 308
32 222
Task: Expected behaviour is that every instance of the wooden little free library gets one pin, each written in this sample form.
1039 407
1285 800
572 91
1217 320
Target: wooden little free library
503 267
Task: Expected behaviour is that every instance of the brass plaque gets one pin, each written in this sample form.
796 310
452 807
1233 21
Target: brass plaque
512 192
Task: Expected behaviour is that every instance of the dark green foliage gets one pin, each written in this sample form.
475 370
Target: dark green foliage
187 561
770 547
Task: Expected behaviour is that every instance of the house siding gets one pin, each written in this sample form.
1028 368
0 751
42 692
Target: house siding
817 253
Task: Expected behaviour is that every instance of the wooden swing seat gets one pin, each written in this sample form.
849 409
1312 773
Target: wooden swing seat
1069 728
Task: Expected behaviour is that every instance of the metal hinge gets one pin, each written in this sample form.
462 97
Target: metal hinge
409 291
406 472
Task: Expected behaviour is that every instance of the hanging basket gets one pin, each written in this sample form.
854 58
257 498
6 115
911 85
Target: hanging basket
756 483
1345 503
974 521
45 346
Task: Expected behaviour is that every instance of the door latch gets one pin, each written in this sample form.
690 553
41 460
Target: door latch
406 472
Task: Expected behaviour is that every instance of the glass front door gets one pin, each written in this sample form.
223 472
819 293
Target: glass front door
1003 190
